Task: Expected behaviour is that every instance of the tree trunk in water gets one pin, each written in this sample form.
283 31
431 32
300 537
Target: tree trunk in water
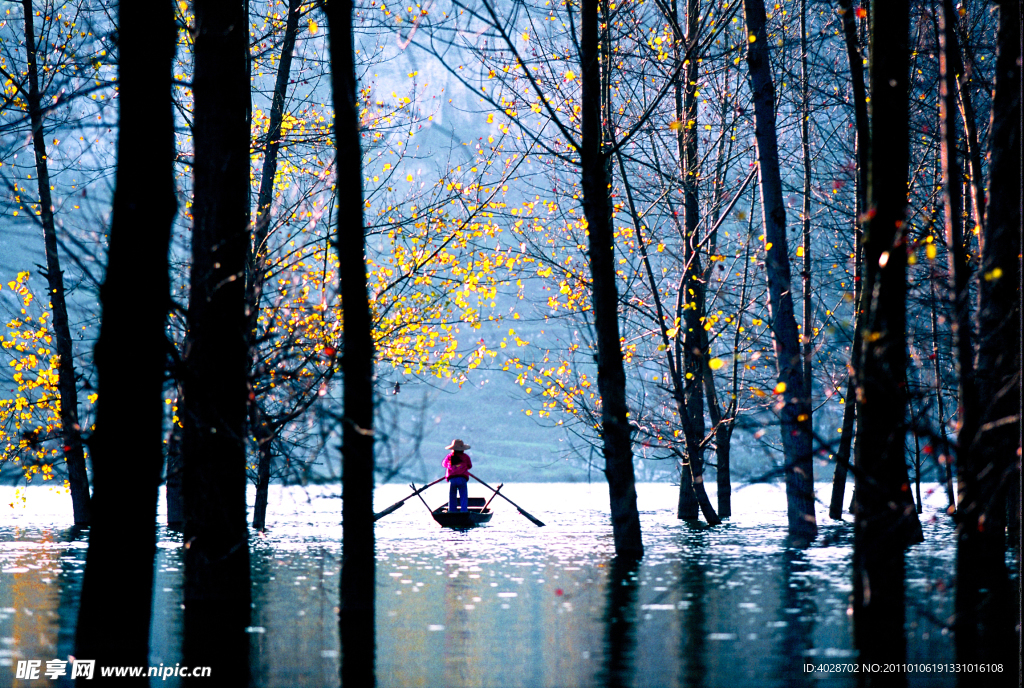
944 456
860 113
795 411
117 587
265 457
70 431
256 262
959 268
885 518
984 603
611 374
174 474
690 304
356 617
217 592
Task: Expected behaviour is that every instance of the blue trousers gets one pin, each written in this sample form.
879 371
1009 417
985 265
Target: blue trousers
457 486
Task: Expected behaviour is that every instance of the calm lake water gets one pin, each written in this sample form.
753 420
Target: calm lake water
511 604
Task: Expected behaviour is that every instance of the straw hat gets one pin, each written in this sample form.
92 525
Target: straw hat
458 445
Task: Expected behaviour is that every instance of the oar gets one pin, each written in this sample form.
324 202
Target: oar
535 520
417 493
500 485
396 505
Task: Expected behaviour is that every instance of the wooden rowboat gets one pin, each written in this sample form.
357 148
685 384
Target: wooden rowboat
478 514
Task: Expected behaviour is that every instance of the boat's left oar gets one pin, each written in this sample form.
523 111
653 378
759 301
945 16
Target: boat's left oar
535 520
396 505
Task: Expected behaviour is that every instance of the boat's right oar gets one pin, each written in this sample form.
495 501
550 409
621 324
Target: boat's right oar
500 485
535 520
396 505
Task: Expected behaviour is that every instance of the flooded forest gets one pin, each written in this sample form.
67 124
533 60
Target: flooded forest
722 299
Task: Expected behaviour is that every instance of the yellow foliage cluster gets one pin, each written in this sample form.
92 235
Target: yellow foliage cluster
30 416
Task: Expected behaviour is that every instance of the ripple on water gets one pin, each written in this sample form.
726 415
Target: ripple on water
510 603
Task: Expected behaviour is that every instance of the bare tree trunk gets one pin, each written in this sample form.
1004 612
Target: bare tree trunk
691 292
945 458
217 592
117 589
356 617
885 519
959 268
70 431
805 215
723 433
611 374
256 262
174 472
795 412
722 419
984 602
860 115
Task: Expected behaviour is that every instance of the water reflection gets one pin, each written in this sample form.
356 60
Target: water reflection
692 646
620 622
511 604
798 611
458 652
69 577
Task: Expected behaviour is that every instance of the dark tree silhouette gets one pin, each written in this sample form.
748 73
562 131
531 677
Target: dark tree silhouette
356 617
611 375
691 378
990 470
885 519
71 432
860 118
215 358
127 447
256 263
796 402
952 203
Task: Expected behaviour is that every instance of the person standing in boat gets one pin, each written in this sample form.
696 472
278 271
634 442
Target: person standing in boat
457 465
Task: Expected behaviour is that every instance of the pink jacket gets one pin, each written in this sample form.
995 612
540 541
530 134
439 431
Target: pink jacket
460 469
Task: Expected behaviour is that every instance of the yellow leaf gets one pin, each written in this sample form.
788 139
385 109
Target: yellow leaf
716 363
779 388
993 274
931 251
313 26
569 76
